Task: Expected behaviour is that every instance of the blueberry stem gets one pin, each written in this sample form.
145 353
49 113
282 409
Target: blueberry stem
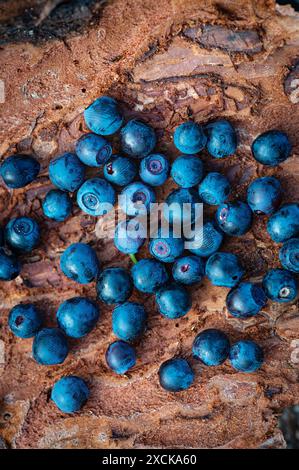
133 258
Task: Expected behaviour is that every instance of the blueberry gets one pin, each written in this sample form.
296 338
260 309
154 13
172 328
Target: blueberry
246 356
50 347
264 195
289 255
284 224
245 300
80 263
103 116
120 357
173 300
22 234
188 270
166 246
24 320
70 394
128 321
120 170
234 218
129 236
57 205
19 170
96 197
182 206
280 285
137 139
9 266
176 375
189 138
224 269
214 189
271 148
67 172
1 236
222 138
148 275
187 171
207 241
93 150
77 316
211 347
136 199
154 169
114 286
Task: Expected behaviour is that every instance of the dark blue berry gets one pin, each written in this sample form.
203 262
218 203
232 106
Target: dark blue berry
120 357
70 394
222 138
1 236
188 270
246 356
176 375
129 236
224 269
187 171
80 263
96 197
93 150
264 195
24 320
129 321
9 266
136 199
166 246
271 148
154 169
280 285
207 241
245 300
120 170
149 275
173 300
214 189
77 316
189 138
182 207
284 224
211 347
137 139
22 234
114 285
103 116
234 218
289 255
19 170
57 205
50 347
67 172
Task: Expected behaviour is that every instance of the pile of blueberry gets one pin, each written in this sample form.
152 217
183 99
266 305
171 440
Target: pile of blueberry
77 316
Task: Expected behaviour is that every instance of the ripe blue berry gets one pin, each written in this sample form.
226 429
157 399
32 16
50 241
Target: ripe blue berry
284 224
173 300
22 234
182 207
24 320
129 236
77 316
136 199
120 357
176 375
154 169
264 195
166 246
103 116
224 269
271 148
1 237
9 266
129 321
148 275
70 394
211 347
189 138
80 263
234 218
67 172
57 205
187 171
289 255
222 139
214 189
246 356
93 150
120 170
96 197
280 285
245 300
18 170
206 241
188 270
50 347
137 139
114 285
